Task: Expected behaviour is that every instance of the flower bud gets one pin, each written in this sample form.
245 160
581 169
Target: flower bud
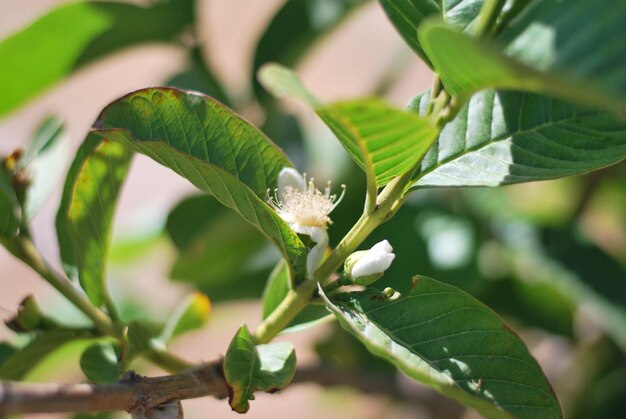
367 266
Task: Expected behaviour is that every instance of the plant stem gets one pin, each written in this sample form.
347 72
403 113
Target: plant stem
488 16
24 249
167 360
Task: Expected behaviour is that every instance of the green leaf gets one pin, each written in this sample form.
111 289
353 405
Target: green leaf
29 318
64 40
282 82
190 314
17 365
278 286
85 216
385 142
500 138
44 161
249 368
99 363
296 26
9 207
210 146
467 65
407 15
446 339
217 252
578 40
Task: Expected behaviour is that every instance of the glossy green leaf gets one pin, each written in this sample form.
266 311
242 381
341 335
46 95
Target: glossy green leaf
407 15
9 207
210 146
467 65
217 252
385 142
17 365
85 216
446 339
249 368
278 286
99 363
500 138
295 28
190 314
64 40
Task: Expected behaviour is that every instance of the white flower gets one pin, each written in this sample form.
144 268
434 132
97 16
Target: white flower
365 267
306 209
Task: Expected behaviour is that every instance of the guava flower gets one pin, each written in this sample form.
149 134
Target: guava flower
367 266
306 209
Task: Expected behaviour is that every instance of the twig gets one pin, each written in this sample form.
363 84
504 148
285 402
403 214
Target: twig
132 394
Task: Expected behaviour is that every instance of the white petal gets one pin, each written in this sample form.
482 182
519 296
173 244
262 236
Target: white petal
319 236
375 261
289 176
383 245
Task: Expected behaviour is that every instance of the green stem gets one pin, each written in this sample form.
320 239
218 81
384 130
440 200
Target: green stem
166 360
488 16
24 249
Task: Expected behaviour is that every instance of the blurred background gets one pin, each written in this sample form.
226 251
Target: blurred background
549 257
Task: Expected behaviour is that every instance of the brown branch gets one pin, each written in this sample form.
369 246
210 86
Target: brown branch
134 393
138 394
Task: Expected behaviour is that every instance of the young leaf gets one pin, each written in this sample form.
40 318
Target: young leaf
191 314
383 141
500 138
249 368
467 65
278 286
62 41
20 362
449 341
99 363
407 15
86 212
210 146
294 28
